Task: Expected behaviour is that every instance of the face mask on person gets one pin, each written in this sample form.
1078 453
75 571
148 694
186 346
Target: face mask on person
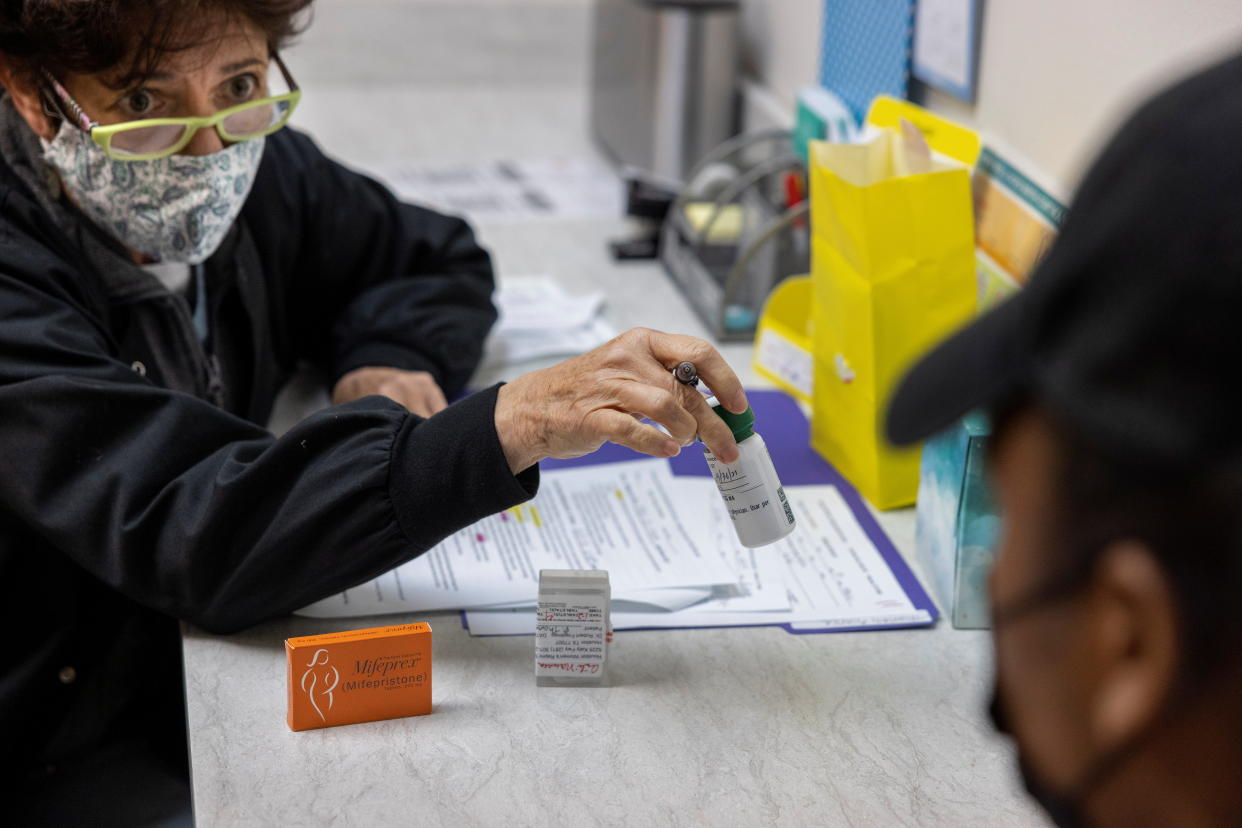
173 209
1066 807
1066 810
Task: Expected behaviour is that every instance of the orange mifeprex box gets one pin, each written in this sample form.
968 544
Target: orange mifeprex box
359 675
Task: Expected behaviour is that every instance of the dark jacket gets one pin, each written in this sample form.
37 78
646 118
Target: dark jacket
138 484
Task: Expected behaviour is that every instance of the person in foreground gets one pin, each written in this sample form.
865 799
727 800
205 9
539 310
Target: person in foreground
169 253
1114 379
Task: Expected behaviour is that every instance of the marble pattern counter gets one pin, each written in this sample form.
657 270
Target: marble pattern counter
698 727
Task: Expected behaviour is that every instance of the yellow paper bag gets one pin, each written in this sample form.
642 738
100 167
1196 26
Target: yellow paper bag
892 266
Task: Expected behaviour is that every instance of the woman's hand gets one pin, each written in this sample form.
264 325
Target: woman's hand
416 390
572 408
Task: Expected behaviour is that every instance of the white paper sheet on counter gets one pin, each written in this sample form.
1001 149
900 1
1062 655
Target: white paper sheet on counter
622 517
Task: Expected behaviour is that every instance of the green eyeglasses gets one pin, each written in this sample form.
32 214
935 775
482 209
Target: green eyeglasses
151 138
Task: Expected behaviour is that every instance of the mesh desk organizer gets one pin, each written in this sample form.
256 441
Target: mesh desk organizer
726 246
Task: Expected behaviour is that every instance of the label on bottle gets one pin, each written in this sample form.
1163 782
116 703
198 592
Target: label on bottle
742 486
752 494
732 484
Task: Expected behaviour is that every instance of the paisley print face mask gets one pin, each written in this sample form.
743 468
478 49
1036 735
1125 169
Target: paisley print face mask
173 209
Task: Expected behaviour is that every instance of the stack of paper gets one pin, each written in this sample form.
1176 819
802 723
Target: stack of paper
671 553
826 575
539 319
661 530
511 190
622 517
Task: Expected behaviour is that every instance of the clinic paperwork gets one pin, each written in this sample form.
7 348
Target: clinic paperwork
662 531
539 319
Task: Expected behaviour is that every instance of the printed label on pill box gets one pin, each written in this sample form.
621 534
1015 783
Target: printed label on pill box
358 675
569 639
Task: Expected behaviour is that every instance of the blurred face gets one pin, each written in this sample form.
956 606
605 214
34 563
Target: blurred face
1085 662
1044 669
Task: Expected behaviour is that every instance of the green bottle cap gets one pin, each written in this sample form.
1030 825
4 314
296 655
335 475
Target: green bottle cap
742 425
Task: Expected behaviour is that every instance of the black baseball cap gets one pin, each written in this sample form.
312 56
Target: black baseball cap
1129 331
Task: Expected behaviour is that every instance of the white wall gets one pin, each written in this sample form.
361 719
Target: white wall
1055 76
780 44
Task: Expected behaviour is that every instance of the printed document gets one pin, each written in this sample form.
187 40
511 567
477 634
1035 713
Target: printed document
828 570
622 517
511 190
538 319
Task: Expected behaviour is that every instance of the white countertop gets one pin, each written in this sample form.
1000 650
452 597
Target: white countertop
698 727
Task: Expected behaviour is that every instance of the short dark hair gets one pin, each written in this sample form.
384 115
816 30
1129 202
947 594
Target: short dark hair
1191 521
89 36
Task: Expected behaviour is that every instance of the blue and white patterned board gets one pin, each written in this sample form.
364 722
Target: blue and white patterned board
865 50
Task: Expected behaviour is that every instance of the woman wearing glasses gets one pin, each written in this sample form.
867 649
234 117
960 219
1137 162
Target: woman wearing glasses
168 253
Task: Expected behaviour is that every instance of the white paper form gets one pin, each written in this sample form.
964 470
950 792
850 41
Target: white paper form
834 574
945 41
536 303
831 573
756 584
622 517
656 598
513 348
539 319
511 190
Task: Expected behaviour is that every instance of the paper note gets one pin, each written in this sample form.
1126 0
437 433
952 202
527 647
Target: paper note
510 348
536 303
654 599
944 44
511 189
831 569
540 319
622 517
789 361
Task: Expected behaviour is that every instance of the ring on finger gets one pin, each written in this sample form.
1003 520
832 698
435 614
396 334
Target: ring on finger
686 374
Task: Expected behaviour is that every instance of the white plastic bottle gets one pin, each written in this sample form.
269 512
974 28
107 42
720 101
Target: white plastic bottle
751 490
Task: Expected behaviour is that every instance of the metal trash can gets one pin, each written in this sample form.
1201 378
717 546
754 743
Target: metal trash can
664 84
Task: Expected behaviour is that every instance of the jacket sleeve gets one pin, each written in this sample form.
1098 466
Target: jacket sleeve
368 280
205 516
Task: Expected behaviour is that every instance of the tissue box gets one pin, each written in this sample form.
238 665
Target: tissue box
957 524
